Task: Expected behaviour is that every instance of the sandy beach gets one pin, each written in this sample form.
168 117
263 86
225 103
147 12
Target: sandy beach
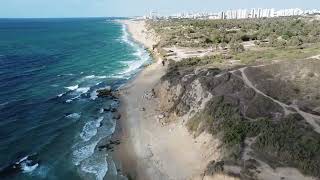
149 149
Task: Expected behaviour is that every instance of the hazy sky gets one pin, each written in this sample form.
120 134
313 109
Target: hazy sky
89 8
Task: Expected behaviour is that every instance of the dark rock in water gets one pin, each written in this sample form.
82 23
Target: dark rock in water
113 110
109 146
107 109
116 142
107 92
116 116
115 95
12 169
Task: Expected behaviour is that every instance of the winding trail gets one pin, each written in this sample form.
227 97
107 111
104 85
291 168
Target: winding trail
310 118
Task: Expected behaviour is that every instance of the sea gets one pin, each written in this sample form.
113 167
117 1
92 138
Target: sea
51 119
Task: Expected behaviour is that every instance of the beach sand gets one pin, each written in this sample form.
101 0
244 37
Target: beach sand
148 149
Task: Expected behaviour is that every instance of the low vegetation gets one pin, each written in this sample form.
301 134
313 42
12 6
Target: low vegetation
289 142
271 32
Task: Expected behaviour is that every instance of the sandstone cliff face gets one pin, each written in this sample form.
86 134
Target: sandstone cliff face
185 94
270 106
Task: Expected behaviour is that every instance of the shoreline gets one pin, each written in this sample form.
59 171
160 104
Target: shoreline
126 153
123 153
150 149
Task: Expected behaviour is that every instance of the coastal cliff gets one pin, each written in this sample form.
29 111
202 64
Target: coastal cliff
258 113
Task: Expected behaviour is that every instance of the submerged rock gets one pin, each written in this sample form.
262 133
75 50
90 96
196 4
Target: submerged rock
106 92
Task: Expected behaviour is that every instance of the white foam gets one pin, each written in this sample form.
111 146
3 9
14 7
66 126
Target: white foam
117 76
72 88
90 129
84 150
132 67
96 165
90 77
83 153
60 95
125 36
94 95
95 77
140 53
26 168
74 116
83 90
22 159
70 100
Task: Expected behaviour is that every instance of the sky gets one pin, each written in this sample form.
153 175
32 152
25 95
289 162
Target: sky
124 8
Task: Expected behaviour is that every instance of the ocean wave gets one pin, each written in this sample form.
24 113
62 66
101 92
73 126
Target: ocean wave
142 56
85 149
72 88
94 95
77 92
25 165
117 76
83 90
60 95
74 116
132 67
83 152
90 129
87 157
69 74
125 36
72 99
5 103
96 164
95 77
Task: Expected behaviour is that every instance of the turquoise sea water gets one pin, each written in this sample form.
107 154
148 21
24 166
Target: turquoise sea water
50 117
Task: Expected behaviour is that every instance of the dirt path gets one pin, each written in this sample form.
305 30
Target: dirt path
310 118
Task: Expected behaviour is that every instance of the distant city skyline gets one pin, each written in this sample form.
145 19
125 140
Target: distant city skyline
125 8
235 14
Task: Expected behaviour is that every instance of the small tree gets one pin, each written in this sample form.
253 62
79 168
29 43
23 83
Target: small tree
295 41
